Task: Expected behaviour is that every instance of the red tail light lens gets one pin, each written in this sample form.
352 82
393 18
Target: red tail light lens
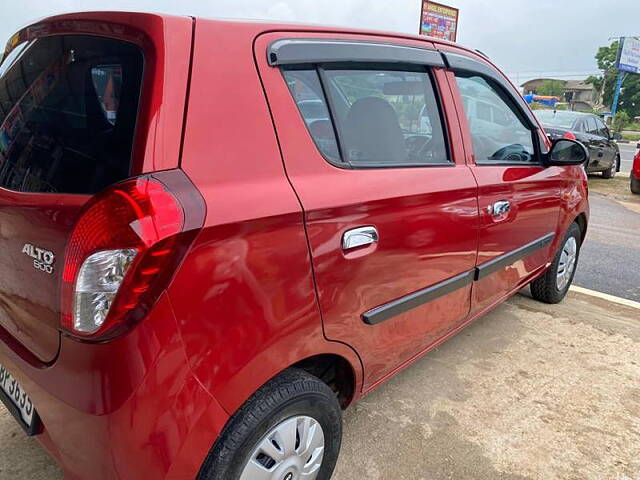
569 136
123 251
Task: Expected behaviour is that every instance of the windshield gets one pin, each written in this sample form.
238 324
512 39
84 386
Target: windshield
553 118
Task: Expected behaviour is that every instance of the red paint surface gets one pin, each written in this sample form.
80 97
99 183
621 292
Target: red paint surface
265 283
635 171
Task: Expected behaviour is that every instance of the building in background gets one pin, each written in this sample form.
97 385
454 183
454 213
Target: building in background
580 96
438 20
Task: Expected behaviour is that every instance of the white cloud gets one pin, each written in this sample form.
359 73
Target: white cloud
524 37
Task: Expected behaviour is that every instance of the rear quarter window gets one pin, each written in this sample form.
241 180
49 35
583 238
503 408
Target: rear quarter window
68 110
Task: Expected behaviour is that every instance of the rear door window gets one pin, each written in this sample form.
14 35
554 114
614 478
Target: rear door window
383 118
68 109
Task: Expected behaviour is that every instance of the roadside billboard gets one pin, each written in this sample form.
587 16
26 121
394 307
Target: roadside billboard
438 20
629 59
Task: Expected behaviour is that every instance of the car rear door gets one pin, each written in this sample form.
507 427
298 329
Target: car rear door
390 206
518 198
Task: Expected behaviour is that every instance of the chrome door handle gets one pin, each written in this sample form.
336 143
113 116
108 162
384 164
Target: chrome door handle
359 237
499 208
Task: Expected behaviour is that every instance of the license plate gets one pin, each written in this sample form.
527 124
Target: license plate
18 397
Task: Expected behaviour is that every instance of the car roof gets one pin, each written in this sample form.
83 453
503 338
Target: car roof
568 113
259 26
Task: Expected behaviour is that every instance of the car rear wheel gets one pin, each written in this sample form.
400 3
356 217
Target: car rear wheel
290 429
611 172
635 185
553 286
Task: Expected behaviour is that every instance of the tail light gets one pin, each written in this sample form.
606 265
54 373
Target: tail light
123 252
569 136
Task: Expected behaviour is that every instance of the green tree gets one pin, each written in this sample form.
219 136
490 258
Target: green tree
620 121
551 87
629 101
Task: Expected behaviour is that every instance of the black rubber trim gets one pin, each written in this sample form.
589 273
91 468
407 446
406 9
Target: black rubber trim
510 258
301 51
408 302
467 64
413 300
36 424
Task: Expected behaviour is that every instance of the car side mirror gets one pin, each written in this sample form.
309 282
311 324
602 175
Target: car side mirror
567 152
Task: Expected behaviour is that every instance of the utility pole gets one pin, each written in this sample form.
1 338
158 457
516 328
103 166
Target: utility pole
616 97
620 79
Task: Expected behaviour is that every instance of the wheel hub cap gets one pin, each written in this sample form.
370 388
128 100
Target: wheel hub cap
567 263
292 450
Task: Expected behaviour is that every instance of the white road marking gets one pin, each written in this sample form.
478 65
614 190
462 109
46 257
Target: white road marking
606 296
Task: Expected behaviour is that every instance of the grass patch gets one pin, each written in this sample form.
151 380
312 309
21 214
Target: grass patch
616 188
632 137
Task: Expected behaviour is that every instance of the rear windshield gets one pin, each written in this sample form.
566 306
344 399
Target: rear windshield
68 108
557 118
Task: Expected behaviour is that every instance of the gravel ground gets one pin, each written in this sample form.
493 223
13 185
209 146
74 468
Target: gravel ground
530 391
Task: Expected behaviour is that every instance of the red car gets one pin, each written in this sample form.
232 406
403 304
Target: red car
635 172
198 275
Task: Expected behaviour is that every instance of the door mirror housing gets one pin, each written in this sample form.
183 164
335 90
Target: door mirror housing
567 152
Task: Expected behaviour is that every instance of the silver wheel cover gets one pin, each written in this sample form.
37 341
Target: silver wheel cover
567 263
292 450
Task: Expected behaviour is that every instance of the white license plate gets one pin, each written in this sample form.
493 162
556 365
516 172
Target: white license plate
17 396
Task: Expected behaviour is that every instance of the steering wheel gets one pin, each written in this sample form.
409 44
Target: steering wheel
420 148
513 153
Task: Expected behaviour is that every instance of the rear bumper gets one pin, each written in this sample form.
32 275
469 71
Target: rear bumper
130 408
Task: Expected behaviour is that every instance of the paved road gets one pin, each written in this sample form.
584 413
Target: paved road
529 392
627 151
610 258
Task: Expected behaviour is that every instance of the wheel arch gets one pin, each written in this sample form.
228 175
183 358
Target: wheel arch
582 222
337 365
334 370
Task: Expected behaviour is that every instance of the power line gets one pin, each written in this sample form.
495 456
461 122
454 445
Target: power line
560 70
551 75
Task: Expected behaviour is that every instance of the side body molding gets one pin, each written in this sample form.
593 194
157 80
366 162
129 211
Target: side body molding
413 300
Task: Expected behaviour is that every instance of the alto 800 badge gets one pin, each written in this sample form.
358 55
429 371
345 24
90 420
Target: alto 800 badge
42 259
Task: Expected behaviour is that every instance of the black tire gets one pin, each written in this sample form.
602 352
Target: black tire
635 185
545 289
290 394
610 173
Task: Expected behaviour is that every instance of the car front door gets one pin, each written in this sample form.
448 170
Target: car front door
519 199
390 206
